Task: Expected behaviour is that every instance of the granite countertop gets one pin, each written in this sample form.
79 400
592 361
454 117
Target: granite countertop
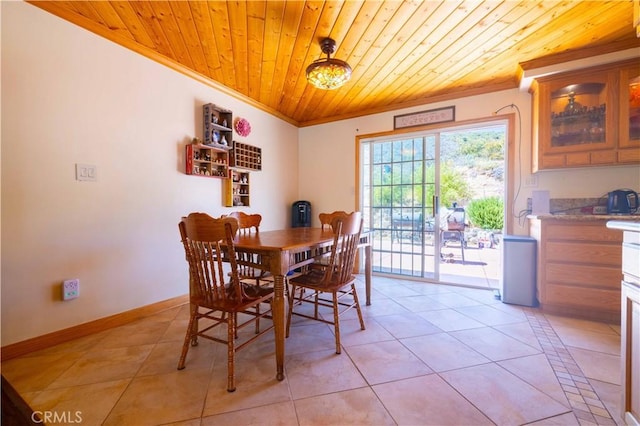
624 225
586 217
581 209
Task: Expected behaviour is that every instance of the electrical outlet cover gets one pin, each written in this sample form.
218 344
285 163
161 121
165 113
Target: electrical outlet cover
599 209
70 289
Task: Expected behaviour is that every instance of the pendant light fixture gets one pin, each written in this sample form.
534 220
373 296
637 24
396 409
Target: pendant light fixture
328 73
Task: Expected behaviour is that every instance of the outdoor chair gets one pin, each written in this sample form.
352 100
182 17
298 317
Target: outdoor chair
454 232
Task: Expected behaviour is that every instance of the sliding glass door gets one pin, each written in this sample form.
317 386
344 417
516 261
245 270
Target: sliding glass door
400 184
418 194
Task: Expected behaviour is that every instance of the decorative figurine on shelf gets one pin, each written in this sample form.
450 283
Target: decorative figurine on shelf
216 136
196 141
215 119
243 127
223 141
572 107
224 123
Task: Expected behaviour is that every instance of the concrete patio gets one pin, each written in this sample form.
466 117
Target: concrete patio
407 256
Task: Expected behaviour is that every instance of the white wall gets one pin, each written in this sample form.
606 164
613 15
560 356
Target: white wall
69 97
330 184
337 189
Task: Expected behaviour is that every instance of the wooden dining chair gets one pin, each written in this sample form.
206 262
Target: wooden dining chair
210 252
334 278
247 223
248 263
326 219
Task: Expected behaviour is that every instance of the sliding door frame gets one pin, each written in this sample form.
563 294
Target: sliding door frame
509 155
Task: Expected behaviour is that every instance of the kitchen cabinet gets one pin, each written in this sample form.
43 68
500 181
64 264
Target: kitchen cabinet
630 324
630 338
630 107
578 272
581 118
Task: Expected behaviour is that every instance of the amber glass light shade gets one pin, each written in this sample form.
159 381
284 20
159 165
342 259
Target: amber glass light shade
328 73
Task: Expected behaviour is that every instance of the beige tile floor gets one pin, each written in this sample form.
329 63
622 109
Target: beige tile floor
431 355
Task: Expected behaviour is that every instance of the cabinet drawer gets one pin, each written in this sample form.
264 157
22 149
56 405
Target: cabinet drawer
629 156
584 275
602 300
552 161
566 231
630 263
589 253
632 238
603 157
578 159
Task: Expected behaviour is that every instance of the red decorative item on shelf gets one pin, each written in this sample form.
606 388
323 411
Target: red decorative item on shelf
243 127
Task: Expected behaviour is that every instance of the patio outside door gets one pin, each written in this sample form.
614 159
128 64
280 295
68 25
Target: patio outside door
426 198
400 202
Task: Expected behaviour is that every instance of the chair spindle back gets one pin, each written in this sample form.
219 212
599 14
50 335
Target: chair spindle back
347 231
207 241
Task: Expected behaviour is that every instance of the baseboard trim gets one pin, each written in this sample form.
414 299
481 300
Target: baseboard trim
47 340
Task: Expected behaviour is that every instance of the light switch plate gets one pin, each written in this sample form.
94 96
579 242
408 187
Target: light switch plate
86 172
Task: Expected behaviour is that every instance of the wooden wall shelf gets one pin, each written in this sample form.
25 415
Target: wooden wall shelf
207 161
244 156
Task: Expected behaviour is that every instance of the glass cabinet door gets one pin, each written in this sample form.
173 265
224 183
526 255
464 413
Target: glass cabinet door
630 107
588 117
579 114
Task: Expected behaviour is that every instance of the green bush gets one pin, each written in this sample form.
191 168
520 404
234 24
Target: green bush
487 213
453 184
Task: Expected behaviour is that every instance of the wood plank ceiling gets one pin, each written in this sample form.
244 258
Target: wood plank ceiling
403 53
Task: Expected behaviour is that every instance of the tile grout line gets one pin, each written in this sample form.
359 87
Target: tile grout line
583 399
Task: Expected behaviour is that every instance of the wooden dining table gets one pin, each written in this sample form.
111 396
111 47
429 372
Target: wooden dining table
285 250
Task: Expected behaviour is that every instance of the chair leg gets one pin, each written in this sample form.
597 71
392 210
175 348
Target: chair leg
336 320
292 294
258 318
357 303
188 340
316 310
235 321
193 312
231 333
